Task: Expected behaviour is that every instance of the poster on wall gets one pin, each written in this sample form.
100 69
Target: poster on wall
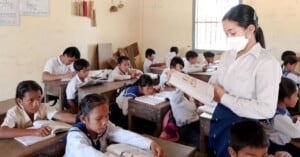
34 7
9 13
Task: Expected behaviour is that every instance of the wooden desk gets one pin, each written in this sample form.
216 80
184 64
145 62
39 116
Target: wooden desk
105 87
60 87
157 69
50 147
204 76
204 132
153 113
172 149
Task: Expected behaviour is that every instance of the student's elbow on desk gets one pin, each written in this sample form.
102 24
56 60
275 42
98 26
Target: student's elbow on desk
6 132
65 117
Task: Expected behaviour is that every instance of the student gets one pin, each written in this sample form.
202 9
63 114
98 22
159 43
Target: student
184 111
60 67
82 68
173 53
209 57
282 127
89 137
149 60
289 65
123 71
247 80
247 138
29 109
288 53
190 63
143 86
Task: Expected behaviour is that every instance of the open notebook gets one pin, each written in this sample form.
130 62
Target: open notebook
125 150
152 99
57 127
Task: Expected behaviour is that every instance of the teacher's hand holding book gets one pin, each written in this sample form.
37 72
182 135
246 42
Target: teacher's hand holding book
218 92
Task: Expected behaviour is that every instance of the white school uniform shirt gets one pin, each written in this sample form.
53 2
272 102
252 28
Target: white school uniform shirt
251 82
117 74
282 129
293 77
55 66
79 145
169 57
72 87
184 111
147 64
191 68
16 117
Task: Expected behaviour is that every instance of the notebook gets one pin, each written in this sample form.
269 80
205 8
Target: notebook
152 99
57 127
125 150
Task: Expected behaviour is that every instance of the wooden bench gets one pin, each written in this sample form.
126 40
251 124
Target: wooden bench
4 106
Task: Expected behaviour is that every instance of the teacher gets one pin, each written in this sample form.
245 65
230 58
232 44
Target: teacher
247 80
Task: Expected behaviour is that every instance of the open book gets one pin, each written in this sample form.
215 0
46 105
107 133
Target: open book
57 127
194 87
125 150
152 99
92 82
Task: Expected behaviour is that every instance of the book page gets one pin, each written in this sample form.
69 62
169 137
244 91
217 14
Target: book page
56 126
194 87
30 140
152 99
126 150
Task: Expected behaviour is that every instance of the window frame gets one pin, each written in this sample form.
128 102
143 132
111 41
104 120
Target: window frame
194 36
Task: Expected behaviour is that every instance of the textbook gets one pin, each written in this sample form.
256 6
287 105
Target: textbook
57 127
198 89
125 150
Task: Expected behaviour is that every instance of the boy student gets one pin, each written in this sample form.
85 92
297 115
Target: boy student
190 63
184 111
123 71
149 60
81 67
60 67
29 109
173 52
248 139
289 65
90 136
282 127
209 57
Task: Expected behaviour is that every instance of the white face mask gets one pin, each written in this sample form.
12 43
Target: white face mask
237 43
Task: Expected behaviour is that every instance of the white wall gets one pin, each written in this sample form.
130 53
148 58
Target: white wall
24 49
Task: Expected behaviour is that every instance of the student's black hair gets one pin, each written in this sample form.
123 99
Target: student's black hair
144 80
81 64
191 54
89 102
289 60
287 88
27 86
208 54
174 49
72 52
122 58
287 53
175 61
149 52
248 133
245 15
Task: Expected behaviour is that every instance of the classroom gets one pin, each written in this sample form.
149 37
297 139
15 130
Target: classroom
155 24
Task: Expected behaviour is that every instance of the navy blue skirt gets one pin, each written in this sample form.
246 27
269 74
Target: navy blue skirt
220 125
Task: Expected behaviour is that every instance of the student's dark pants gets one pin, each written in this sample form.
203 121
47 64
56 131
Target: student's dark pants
190 133
292 149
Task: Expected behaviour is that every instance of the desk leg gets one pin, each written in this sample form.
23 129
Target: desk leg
130 124
45 94
61 98
158 128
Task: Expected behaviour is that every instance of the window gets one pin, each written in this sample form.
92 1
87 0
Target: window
208 29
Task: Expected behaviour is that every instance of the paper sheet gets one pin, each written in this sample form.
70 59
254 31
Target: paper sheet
34 7
9 12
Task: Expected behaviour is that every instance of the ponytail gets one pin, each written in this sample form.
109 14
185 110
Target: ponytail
259 36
